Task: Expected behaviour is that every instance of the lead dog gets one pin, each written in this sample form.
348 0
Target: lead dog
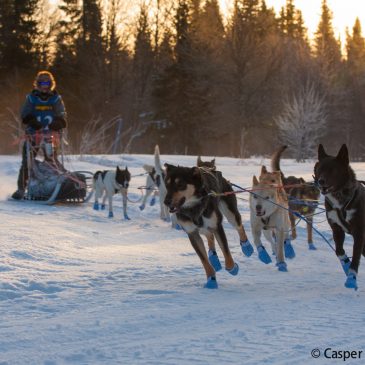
109 183
198 210
345 206
303 197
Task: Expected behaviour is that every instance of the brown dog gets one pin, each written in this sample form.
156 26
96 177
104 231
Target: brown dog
303 197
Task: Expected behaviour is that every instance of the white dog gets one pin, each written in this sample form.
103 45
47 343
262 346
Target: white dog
109 183
156 179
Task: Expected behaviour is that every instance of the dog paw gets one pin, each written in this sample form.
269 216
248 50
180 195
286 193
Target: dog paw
152 202
345 263
246 248
211 283
263 255
214 260
177 227
312 247
96 206
110 215
141 207
234 270
351 280
289 250
282 266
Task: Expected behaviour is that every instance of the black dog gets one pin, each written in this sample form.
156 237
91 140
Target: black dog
345 206
190 194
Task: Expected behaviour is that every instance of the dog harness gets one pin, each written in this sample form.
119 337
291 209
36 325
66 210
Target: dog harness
342 212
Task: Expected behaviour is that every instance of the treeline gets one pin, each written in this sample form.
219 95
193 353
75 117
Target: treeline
176 73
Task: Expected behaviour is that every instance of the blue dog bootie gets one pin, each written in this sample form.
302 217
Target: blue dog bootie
211 283
246 248
153 202
96 206
102 206
311 246
234 270
282 266
126 217
289 249
110 215
214 260
351 280
141 207
263 255
345 263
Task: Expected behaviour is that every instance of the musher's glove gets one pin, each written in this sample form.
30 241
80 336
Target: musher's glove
57 124
32 122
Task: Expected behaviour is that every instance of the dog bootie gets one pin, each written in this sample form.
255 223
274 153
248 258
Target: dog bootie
126 217
18 195
345 263
214 260
288 249
96 206
282 266
141 207
311 246
234 270
263 255
110 215
211 283
102 207
152 202
178 227
351 280
247 248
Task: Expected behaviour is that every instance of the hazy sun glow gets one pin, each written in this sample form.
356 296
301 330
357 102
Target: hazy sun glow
344 13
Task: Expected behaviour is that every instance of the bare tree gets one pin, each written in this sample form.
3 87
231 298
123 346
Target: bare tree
302 122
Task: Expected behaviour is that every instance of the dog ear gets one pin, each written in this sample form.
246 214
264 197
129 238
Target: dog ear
263 170
199 160
254 180
118 169
343 154
213 161
126 168
321 152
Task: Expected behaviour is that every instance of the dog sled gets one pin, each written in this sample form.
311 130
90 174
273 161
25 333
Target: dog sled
49 182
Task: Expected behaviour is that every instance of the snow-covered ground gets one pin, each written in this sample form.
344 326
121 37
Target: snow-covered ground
79 288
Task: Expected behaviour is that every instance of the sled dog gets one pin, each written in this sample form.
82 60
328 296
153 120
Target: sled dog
192 195
268 211
303 198
109 183
345 206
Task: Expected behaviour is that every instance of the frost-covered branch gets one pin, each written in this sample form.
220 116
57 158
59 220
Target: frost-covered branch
303 122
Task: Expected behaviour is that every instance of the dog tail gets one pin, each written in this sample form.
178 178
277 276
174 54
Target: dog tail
275 158
158 166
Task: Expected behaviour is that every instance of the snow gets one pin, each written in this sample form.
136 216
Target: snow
79 288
